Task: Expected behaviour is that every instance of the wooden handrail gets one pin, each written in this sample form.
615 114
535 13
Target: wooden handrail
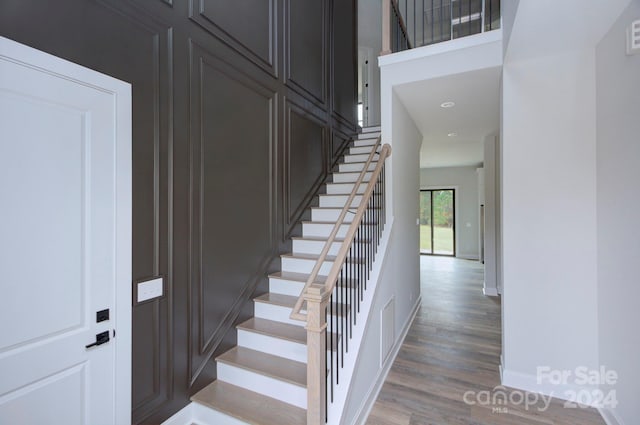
346 244
403 26
386 28
387 6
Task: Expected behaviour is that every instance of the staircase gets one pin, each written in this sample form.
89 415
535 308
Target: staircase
263 380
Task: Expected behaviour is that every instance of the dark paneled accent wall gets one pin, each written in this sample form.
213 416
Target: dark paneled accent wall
240 108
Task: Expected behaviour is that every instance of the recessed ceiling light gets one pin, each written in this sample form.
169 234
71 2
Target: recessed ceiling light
448 104
452 134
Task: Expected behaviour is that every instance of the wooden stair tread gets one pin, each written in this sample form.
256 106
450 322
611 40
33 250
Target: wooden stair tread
248 406
276 329
281 330
277 299
266 364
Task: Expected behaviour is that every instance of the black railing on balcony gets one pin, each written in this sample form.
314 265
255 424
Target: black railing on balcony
425 22
399 36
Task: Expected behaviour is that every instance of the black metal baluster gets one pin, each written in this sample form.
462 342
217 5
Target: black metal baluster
330 342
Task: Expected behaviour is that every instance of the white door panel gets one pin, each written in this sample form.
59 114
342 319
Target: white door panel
64 241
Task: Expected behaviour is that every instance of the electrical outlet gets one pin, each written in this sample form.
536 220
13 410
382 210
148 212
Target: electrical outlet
150 289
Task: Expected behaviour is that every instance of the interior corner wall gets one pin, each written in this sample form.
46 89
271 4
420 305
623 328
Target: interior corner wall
618 203
549 218
465 180
400 275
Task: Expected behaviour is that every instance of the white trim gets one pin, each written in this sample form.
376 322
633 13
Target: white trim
610 417
529 382
440 48
365 408
121 91
198 414
489 292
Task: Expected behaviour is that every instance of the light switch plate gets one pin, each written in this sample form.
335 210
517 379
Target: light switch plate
150 289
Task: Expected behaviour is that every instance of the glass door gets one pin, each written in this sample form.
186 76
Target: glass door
437 222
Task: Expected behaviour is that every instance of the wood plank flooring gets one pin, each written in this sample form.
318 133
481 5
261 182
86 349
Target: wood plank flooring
453 346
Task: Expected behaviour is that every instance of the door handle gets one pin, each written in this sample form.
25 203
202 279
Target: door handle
101 338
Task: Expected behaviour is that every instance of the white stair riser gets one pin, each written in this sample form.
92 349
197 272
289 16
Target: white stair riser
369 135
350 177
279 313
338 201
356 150
302 246
332 214
355 167
344 189
357 158
272 345
275 312
256 382
285 287
303 265
364 142
323 230
275 346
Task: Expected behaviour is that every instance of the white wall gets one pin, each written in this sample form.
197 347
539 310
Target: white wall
467 220
549 216
618 206
401 271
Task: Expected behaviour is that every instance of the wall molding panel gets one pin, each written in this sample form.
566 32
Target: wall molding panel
252 35
305 161
220 96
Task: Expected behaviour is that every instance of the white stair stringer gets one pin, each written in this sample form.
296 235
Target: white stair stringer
269 362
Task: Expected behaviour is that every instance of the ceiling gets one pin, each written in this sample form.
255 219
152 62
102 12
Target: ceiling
476 114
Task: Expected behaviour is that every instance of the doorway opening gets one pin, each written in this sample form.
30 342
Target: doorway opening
437 222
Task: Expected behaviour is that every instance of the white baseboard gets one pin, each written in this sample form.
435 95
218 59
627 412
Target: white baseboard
197 414
365 408
610 417
490 292
527 382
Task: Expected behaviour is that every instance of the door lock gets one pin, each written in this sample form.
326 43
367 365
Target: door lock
101 338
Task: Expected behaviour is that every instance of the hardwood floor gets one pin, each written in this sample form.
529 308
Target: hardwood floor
452 349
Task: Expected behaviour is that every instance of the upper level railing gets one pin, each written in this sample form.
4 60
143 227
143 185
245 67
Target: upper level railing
427 22
333 304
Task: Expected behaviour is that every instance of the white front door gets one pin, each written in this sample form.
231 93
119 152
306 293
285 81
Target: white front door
65 238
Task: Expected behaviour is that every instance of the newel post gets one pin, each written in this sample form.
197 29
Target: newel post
317 299
386 28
